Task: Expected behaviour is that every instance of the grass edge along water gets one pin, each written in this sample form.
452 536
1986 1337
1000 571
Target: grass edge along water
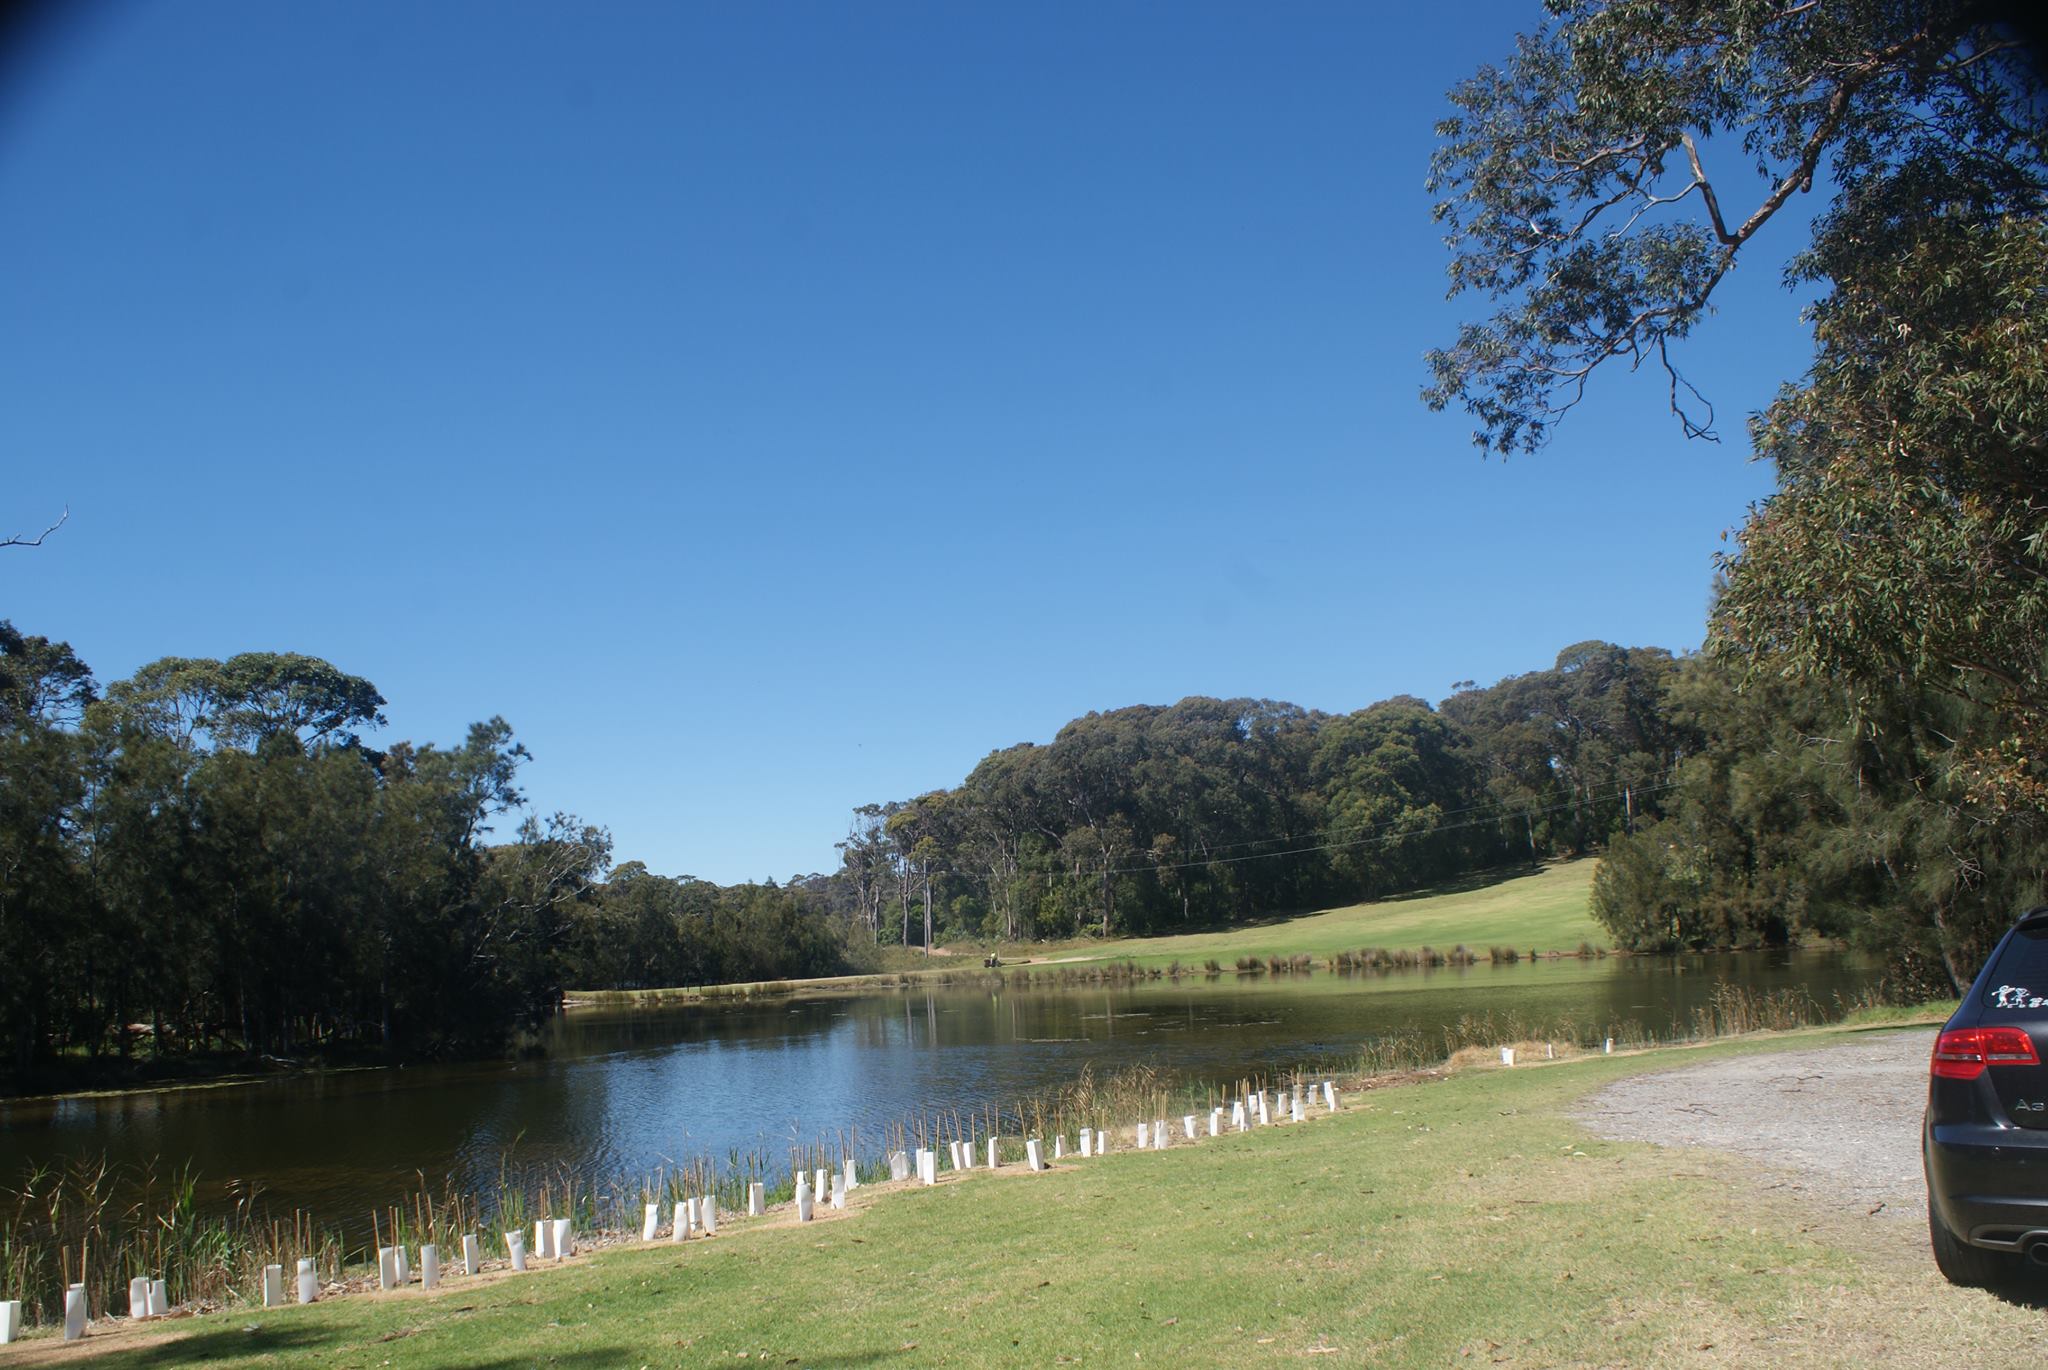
93 1224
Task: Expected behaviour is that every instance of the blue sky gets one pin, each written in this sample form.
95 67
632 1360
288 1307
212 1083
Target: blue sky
772 408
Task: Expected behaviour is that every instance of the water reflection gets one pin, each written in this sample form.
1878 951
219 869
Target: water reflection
623 1091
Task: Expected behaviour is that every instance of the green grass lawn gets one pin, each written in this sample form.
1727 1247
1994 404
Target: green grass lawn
1547 910
1466 1222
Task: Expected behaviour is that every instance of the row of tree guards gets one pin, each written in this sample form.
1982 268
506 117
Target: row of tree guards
555 1238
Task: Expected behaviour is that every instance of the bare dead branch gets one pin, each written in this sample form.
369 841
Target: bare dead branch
1706 188
23 540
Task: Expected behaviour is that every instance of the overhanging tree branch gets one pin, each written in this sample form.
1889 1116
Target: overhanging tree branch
23 540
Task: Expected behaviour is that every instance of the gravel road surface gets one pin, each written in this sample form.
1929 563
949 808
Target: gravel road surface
1839 1123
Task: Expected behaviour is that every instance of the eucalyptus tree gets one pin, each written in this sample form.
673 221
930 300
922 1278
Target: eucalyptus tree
44 692
1392 783
1599 187
1600 184
864 858
924 831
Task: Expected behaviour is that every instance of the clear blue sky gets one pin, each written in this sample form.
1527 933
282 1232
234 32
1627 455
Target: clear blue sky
770 408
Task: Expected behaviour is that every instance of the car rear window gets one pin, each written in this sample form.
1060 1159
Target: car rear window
2019 978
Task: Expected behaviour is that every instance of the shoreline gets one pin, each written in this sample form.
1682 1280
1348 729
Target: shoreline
355 1300
1061 973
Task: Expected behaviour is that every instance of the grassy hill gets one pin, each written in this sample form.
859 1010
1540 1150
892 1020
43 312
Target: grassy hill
1546 910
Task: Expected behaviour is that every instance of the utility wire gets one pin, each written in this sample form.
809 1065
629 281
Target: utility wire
1389 838
1490 804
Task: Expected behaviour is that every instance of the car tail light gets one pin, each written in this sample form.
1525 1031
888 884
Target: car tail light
1963 1053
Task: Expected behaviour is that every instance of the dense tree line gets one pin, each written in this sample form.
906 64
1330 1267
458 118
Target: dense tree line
207 859
1816 809
1151 819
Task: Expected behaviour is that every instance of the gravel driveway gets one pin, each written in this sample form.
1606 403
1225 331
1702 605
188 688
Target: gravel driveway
1839 1123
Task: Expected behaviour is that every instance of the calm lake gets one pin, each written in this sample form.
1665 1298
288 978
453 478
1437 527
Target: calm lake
622 1092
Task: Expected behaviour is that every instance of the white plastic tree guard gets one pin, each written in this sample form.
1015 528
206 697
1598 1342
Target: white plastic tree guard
1265 1118
309 1277
1507 1056
803 1200
1329 1096
273 1286
1188 1123
1144 1135
404 1268
899 1165
387 1267
820 1183
1059 1147
707 1214
852 1179
1159 1135
839 1191
430 1266
1610 1046
1087 1142
10 1320
543 1234
650 1222
1294 1105
74 1312
138 1297
159 1299
1032 1156
1215 1122
928 1165
994 1157
1237 1115
515 1247
756 1200
564 1240
472 1255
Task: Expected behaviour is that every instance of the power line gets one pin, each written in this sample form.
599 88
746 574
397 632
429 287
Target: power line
1388 837
1492 804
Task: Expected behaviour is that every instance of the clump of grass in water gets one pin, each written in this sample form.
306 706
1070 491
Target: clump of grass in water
1733 1010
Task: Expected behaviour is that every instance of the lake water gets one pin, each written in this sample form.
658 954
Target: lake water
621 1092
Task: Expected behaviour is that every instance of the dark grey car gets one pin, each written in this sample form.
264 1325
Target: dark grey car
1985 1135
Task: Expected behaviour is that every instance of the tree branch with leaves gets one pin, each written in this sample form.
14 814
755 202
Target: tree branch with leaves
1575 185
